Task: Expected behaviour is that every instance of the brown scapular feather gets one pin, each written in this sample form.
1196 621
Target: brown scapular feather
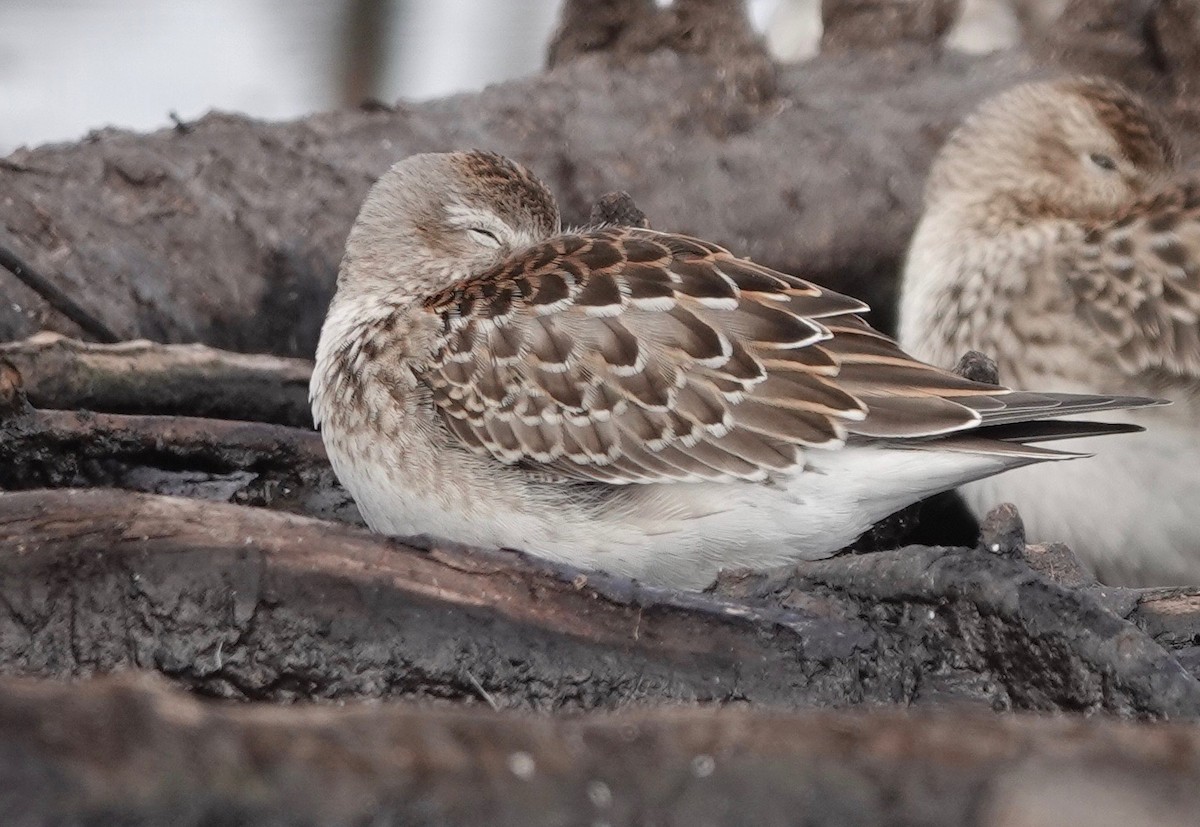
629 356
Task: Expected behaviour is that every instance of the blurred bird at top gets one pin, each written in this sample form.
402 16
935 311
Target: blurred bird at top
1059 237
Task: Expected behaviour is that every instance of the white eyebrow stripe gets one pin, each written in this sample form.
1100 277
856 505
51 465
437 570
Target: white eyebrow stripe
464 217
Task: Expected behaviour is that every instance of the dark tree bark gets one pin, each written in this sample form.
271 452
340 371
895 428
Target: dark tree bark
228 231
855 25
135 753
243 462
147 378
244 602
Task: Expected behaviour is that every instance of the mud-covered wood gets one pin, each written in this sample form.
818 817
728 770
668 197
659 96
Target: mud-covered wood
252 463
856 25
133 752
229 231
148 378
244 462
256 604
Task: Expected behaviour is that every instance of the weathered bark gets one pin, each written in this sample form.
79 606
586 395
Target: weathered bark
232 461
242 462
718 31
857 25
133 752
228 231
248 603
147 378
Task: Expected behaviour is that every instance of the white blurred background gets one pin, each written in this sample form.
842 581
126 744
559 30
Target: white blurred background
67 66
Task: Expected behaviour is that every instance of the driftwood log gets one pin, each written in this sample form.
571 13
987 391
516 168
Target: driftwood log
144 377
253 463
159 513
228 231
134 753
242 602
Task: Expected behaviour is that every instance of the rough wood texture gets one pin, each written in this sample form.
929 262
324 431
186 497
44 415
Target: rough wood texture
147 378
243 602
854 25
229 231
244 462
134 753
223 460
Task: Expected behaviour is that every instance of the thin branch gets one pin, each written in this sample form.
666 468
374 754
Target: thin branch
55 297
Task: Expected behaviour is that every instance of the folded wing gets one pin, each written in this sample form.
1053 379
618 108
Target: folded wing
627 355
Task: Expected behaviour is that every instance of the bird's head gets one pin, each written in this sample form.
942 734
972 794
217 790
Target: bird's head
436 218
1072 148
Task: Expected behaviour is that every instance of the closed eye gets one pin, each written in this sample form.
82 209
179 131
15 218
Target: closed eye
1105 162
484 237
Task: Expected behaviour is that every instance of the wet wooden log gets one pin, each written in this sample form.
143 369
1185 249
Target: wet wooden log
251 463
245 602
257 464
132 751
229 231
144 377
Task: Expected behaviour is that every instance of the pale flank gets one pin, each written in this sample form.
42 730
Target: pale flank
1059 239
624 399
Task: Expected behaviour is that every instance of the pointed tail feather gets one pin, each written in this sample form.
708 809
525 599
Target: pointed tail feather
1007 432
1023 406
1048 430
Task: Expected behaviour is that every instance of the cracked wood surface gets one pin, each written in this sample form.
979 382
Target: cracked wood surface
243 602
134 752
144 377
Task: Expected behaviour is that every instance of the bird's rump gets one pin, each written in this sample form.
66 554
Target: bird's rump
626 355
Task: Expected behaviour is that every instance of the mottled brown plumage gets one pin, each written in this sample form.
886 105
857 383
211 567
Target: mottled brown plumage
619 210
1060 237
623 398
1140 133
1137 279
607 353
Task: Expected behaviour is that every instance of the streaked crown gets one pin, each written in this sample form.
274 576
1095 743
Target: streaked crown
1076 147
438 217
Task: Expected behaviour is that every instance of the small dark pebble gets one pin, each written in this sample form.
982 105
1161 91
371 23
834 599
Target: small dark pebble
978 367
617 208
1003 532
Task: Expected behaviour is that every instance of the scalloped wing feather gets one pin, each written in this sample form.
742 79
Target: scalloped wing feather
626 355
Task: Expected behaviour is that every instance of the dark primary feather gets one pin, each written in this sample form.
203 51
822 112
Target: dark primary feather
626 355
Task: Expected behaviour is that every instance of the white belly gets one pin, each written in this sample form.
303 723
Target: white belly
674 534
